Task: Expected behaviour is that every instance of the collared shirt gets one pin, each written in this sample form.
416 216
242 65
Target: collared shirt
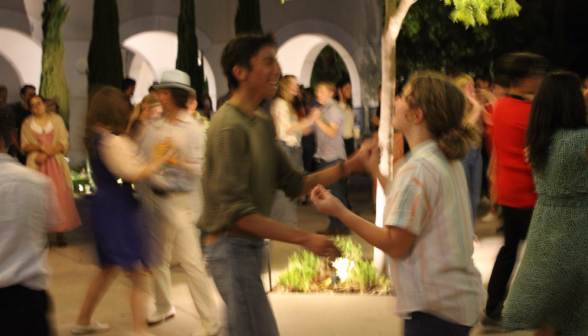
429 198
187 138
330 149
284 120
28 208
244 167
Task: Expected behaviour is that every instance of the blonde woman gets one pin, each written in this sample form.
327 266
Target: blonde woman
289 131
44 139
149 109
472 163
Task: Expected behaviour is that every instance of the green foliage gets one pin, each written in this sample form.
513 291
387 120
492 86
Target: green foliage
429 41
328 66
105 66
187 59
53 81
474 12
303 268
248 18
308 273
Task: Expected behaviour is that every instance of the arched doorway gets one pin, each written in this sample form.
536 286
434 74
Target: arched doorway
298 55
156 52
21 61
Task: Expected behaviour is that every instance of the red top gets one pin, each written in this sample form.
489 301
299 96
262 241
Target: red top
514 177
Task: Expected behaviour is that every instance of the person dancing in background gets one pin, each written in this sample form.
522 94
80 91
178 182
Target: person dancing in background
113 155
428 233
549 291
45 141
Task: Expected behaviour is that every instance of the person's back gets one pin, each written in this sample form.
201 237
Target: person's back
514 177
28 208
331 149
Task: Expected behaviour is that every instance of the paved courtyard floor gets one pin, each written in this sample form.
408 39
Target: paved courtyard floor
297 314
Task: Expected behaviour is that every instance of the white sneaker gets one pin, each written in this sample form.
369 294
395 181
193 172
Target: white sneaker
94 327
202 333
158 317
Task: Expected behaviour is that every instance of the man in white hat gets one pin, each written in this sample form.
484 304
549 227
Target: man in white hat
175 199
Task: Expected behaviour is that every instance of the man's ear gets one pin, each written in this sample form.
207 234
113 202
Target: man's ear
240 73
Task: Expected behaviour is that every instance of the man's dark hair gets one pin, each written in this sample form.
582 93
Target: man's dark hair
25 88
483 77
502 80
127 83
7 125
517 66
240 50
180 97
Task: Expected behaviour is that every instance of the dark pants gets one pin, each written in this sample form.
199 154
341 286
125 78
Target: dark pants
516 225
423 324
339 190
308 150
349 146
23 311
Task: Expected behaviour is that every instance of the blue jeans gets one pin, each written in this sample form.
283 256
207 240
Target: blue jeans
235 264
423 324
473 166
339 190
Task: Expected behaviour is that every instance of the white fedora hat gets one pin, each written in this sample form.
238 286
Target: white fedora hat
175 79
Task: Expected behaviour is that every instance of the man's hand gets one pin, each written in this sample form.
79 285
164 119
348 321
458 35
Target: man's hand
41 158
359 160
322 246
315 113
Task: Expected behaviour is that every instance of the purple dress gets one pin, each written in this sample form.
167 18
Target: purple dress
115 220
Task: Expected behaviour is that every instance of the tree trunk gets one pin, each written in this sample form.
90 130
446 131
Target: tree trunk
248 18
188 53
53 81
105 66
395 14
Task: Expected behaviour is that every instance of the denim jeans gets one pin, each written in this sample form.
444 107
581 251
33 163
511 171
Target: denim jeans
473 167
423 324
235 264
339 190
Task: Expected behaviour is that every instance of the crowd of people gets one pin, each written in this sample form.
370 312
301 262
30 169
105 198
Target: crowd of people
235 177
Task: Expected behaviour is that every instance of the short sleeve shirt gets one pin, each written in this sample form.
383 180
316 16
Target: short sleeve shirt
330 149
429 198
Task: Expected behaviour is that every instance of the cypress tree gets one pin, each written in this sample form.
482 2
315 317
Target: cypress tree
105 66
53 81
187 60
248 18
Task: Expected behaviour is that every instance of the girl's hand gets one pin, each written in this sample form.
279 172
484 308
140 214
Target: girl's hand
41 158
325 202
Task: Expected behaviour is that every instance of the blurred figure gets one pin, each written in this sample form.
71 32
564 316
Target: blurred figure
472 163
289 133
344 100
514 179
501 86
548 292
375 119
174 197
113 156
206 110
128 88
21 112
45 141
144 114
308 142
483 82
331 148
28 208
193 110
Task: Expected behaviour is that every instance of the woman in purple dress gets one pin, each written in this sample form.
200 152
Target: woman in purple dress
113 156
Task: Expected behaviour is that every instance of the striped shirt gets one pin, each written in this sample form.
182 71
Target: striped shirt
429 198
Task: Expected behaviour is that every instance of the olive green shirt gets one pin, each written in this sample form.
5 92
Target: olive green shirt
244 167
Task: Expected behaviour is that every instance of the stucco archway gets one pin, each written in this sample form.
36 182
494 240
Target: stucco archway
302 41
24 55
157 52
